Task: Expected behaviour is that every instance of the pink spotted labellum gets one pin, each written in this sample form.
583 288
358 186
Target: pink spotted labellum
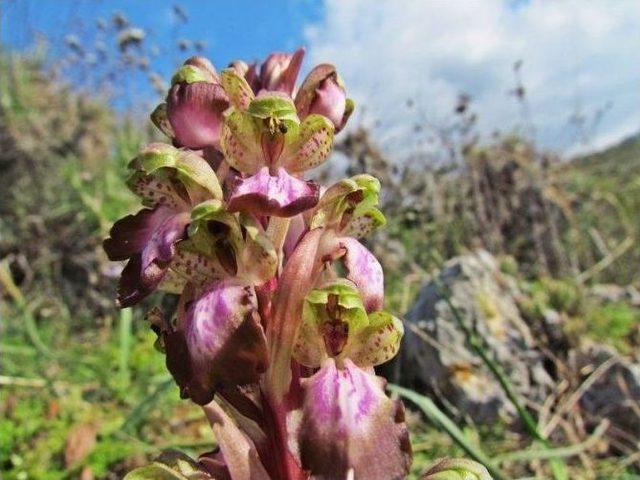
280 317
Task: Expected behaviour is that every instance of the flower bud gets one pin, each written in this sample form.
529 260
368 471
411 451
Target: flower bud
280 70
330 101
195 104
323 93
456 469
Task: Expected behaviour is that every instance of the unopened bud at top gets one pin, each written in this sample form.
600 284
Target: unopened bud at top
195 104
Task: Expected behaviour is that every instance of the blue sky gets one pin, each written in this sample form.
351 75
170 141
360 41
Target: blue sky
579 58
231 29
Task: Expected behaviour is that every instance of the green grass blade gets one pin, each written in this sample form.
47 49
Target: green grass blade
126 318
133 422
475 340
436 416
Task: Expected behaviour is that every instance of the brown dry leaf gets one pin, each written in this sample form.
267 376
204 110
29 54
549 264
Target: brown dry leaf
80 443
86 474
53 410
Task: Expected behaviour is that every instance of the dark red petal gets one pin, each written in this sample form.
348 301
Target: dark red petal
226 342
156 241
130 234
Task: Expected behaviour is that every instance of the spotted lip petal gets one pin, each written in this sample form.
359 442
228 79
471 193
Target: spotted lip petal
225 340
280 195
148 239
347 420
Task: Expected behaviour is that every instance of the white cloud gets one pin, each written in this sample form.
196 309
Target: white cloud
578 55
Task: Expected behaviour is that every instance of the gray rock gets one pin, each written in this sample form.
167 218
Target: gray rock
615 395
609 292
437 359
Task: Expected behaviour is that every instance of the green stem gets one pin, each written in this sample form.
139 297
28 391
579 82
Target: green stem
125 346
551 453
557 466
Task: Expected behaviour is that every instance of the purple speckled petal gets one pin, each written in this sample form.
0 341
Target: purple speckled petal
226 342
365 271
281 195
311 146
378 342
347 420
195 113
149 240
240 142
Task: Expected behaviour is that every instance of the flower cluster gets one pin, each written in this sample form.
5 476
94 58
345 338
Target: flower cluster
280 316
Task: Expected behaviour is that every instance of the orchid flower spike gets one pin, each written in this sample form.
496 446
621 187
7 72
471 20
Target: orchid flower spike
280 317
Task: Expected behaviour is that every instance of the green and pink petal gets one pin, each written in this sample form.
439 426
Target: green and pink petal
280 195
347 421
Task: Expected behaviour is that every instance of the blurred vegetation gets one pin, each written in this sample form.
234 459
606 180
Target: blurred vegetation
83 393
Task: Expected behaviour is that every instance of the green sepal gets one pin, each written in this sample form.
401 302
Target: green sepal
240 141
160 119
237 88
363 224
309 348
371 339
456 469
256 257
190 74
274 106
200 239
308 144
350 206
378 342
349 107
193 171
170 465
